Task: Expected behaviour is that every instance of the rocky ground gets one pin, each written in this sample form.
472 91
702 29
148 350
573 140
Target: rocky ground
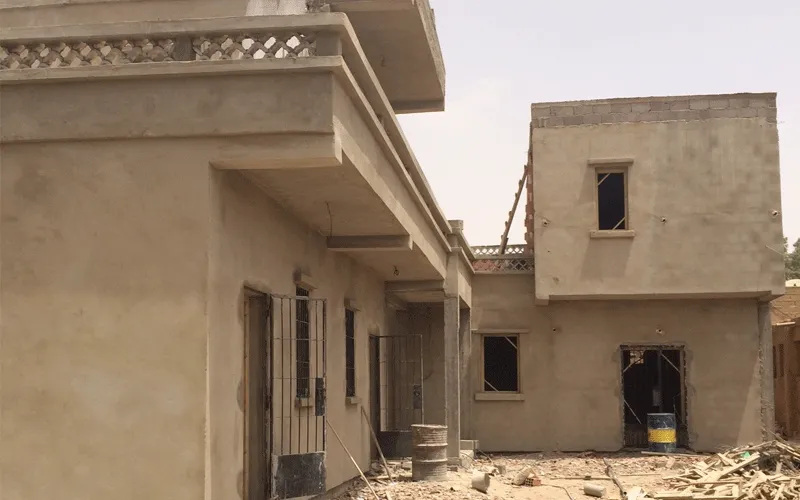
562 477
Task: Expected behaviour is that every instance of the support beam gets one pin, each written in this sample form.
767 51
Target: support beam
370 243
765 372
414 286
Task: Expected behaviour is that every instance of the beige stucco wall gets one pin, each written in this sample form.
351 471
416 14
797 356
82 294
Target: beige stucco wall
121 263
715 183
254 242
103 297
570 367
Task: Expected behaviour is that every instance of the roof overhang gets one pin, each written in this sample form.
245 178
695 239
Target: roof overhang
399 39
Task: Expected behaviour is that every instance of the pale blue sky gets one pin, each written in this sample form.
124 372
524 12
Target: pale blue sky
502 55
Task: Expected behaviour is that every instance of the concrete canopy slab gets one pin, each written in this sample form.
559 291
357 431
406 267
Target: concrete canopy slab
399 39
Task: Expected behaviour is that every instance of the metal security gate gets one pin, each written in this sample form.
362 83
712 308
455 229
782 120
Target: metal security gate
297 385
397 380
653 381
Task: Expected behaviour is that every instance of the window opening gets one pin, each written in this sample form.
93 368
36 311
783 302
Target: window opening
500 363
350 352
611 203
780 361
303 366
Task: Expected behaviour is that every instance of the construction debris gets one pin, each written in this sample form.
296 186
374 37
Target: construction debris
480 481
770 470
594 490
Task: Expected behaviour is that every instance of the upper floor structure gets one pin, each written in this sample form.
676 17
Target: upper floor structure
397 37
657 197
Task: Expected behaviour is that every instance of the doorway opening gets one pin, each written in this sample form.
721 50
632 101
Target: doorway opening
653 381
397 390
255 396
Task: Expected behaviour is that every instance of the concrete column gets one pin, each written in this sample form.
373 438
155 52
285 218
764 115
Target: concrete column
767 383
467 390
452 378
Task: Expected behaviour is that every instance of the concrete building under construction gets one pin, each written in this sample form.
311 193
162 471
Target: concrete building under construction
221 262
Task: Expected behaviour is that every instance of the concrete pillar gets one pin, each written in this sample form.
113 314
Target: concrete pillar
767 383
452 378
467 390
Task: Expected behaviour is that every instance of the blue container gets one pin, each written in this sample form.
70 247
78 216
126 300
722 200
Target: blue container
661 432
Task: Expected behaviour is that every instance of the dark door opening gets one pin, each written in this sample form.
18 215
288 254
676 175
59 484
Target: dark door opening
398 377
255 396
374 390
653 381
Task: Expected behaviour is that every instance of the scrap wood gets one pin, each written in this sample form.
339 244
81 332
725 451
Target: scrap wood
767 471
377 444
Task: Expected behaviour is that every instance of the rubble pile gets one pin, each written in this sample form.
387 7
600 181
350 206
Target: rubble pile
767 471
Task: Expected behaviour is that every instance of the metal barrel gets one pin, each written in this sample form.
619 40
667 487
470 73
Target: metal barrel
429 452
661 432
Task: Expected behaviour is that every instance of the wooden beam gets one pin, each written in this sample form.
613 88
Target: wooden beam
504 238
370 243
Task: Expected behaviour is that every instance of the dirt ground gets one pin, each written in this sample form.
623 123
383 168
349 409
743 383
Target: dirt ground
632 469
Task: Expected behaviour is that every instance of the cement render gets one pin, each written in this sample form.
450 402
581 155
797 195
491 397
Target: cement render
570 365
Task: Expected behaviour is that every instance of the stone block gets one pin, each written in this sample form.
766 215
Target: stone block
650 116
688 115
541 112
738 103
573 120
679 105
659 106
584 110
758 103
601 108
698 104
592 119
724 113
705 114
667 115
563 111
554 121
629 117
718 103
748 113
606 118
768 113
640 107
620 108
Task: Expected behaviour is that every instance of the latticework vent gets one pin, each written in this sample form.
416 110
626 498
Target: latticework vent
58 54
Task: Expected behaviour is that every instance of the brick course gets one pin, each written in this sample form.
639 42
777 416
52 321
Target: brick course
654 109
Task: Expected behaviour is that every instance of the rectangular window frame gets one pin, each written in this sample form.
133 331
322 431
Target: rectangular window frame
612 166
350 352
626 226
499 394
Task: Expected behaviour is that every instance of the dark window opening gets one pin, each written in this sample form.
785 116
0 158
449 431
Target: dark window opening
302 326
611 209
500 364
653 381
350 352
780 361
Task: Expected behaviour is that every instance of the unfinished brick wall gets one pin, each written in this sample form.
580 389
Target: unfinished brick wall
654 109
529 196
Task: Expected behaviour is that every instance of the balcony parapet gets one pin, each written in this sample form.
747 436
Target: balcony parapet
516 259
267 37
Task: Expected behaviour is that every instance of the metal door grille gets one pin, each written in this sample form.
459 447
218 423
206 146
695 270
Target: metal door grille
298 347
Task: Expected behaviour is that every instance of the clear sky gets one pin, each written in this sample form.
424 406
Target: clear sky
502 55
